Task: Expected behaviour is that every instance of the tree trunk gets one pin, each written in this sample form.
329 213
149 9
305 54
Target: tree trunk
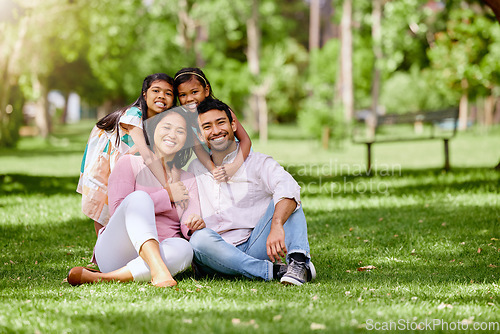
185 25
40 92
201 36
346 60
325 137
489 106
463 107
495 6
4 101
496 115
104 109
330 29
496 119
64 115
263 115
314 25
258 104
377 51
42 117
8 76
252 115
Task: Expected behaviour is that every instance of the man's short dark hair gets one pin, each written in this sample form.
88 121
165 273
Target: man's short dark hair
211 104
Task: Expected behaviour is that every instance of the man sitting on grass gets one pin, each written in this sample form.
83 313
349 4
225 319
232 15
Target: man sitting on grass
255 218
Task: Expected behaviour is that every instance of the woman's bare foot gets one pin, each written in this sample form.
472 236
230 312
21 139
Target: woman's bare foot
163 280
165 284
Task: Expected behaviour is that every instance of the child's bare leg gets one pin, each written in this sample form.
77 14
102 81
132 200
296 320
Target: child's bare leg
97 227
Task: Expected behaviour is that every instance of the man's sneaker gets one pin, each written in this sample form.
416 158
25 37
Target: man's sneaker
299 273
283 267
197 271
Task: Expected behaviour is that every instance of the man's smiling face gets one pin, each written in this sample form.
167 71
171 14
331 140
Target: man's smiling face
217 130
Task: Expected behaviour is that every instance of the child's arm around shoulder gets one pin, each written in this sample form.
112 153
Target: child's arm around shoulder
203 155
244 150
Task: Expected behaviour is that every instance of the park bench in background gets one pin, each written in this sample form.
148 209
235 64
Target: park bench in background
425 125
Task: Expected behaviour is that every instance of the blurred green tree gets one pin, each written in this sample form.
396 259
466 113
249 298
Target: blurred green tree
460 55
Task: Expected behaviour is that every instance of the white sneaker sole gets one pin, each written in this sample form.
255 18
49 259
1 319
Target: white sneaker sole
313 271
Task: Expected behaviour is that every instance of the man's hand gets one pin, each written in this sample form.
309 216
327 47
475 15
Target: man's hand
276 248
194 222
275 244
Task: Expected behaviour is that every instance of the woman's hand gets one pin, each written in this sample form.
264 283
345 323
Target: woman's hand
194 222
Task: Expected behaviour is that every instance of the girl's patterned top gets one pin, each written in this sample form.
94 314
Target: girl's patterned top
101 154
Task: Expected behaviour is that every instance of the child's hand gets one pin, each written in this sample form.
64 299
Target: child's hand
194 222
219 174
230 169
178 193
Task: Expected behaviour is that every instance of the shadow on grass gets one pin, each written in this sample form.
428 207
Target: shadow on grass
444 241
11 184
41 255
418 182
410 243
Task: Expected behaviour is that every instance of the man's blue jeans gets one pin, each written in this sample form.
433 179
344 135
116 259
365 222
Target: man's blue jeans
213 255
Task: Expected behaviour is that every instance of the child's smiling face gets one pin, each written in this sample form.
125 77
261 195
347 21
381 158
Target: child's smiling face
192 93
159 97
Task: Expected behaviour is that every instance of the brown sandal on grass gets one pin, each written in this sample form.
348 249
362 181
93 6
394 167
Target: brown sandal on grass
80 275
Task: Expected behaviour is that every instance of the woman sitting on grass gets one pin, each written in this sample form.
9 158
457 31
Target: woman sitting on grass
143 239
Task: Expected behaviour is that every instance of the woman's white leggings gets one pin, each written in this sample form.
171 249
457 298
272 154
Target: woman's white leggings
132 224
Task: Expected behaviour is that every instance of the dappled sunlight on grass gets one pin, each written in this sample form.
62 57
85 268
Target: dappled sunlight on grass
433 239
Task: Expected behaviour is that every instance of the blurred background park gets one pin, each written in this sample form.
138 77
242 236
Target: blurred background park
301 75
313 66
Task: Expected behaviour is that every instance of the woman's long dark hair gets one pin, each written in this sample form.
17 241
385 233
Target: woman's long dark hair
182 157
111 123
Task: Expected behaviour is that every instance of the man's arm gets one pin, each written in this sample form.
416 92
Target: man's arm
275 244
285 192
276 181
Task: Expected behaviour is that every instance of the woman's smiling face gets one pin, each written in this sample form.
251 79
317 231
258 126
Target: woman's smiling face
170 135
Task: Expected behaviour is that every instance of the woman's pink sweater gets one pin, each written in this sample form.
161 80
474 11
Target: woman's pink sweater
131 174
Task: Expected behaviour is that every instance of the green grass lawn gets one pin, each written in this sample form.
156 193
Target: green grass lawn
433 238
